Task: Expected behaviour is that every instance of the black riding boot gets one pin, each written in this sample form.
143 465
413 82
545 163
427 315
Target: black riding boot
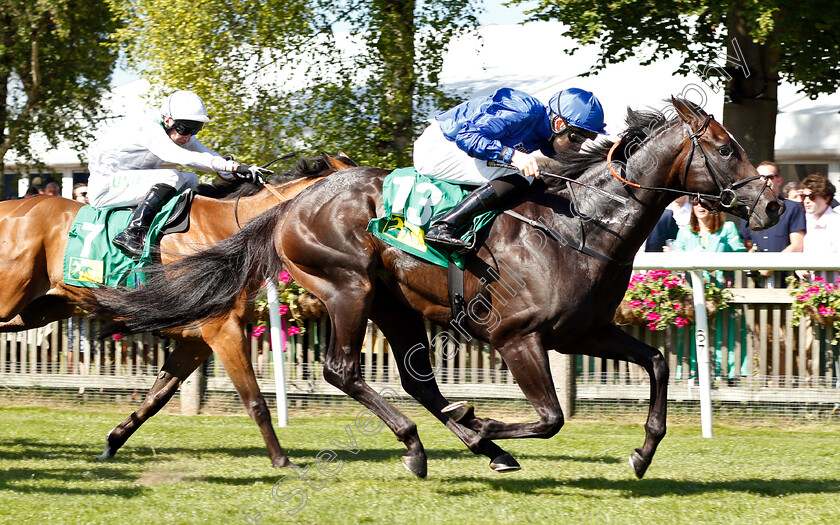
444 232
131 240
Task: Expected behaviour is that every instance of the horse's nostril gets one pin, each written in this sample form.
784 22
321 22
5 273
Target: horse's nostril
773 207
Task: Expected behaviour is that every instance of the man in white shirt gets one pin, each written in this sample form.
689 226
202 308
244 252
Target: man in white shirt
125 165
822 222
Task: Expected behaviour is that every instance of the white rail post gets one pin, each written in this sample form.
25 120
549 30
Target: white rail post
278 351
701 338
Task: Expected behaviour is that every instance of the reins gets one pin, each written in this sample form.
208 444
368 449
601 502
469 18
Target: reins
274 191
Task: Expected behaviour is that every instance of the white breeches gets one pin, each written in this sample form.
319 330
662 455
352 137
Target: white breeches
440 158
128 187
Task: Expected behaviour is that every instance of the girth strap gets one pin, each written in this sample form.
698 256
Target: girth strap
557 236
457 303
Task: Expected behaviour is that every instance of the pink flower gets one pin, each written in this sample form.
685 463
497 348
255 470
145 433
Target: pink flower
819 279
677 306
631 286
634 303
654 292
649 303
284 309
826 310
116 337
803 298
285 276
653 316
257 331
652 325
679 321
293 330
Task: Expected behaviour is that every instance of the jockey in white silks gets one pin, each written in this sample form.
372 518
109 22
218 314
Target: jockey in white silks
507 126
125 165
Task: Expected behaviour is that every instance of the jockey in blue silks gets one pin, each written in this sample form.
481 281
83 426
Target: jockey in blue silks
507 126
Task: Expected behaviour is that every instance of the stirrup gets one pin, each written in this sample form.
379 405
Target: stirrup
448 237
131 242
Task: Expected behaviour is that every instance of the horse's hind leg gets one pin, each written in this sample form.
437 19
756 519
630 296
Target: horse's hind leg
613 343
228 341
349 312
403 327
183 360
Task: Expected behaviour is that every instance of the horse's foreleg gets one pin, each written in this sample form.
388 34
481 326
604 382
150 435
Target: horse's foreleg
228 341
527 360
183 360
614 343
403 327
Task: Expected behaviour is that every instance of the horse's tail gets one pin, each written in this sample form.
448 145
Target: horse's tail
197 287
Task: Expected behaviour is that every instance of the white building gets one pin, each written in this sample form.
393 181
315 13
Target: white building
807 136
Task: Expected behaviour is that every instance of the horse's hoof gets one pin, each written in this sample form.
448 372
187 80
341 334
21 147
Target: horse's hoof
639 464
416 465
105 456
459 410
504 463
283 463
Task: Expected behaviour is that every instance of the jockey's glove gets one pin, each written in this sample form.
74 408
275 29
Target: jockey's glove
254 174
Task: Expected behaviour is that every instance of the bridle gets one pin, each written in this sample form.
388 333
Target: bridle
726 197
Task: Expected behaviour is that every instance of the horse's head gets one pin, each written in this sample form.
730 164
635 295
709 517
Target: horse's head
716 168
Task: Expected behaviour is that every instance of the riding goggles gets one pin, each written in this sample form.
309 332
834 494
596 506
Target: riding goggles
187 127
579 136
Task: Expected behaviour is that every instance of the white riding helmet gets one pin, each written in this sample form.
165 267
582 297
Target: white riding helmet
184 105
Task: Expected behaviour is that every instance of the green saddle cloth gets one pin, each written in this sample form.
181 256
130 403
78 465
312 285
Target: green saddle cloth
411 201
91 260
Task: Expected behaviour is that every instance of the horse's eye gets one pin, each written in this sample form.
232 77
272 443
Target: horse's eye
725 150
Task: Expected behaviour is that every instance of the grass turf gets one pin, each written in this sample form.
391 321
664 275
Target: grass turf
214 469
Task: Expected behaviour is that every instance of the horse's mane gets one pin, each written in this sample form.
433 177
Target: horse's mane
640 125
307 168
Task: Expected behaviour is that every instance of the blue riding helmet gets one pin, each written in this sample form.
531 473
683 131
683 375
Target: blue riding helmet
579 108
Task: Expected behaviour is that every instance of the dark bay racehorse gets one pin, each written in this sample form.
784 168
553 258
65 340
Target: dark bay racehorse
34 232
549 278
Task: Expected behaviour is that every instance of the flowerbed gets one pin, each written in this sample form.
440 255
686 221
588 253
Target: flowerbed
818 300
296 305
660 298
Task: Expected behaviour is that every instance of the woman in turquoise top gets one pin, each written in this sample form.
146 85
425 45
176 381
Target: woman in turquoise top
707 232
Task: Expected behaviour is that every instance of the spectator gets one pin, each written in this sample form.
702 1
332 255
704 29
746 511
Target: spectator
708 232
793 191
33 191
786 236
681 209
52 188
823 223
80 192
665 229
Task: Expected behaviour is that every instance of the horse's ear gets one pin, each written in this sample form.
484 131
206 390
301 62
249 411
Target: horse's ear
691 114
346 158
338 164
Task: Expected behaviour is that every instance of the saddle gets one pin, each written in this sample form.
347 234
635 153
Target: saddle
412 202
91 260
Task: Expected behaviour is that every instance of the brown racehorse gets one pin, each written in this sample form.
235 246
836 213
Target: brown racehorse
550 278
34 232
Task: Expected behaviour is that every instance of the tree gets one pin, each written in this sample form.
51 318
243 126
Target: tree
55 65
745 46
277 76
